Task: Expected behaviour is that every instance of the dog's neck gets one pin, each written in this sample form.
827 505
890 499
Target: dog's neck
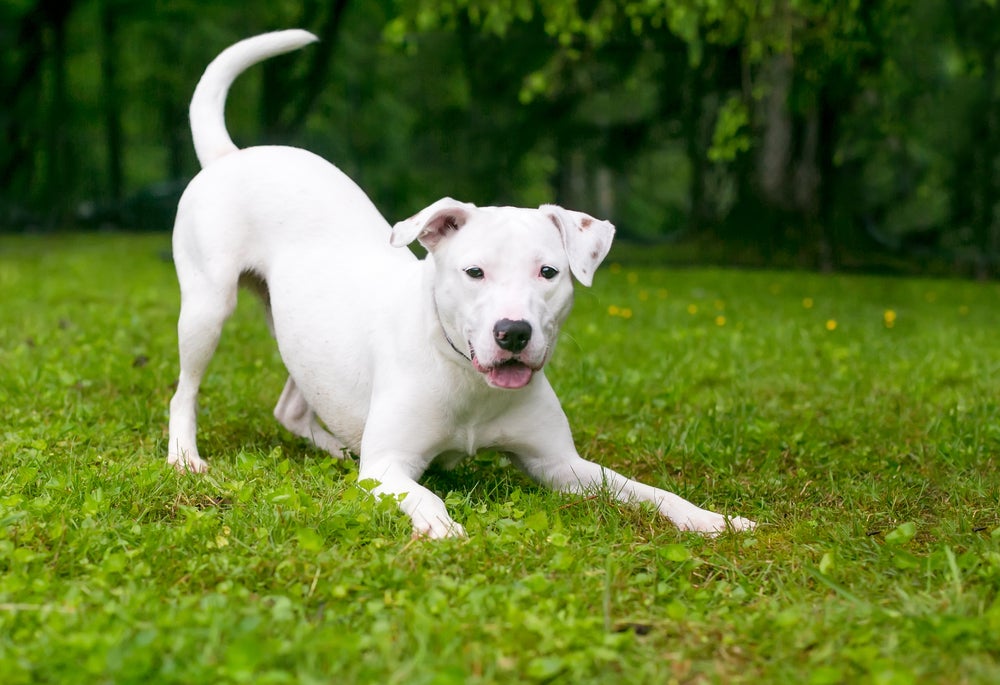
444 332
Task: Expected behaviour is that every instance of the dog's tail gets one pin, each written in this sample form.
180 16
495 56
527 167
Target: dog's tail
208 105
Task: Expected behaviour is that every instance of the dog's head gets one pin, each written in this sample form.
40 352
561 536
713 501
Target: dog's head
502 278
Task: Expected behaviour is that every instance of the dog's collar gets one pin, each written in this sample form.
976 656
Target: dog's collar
464 356
437 315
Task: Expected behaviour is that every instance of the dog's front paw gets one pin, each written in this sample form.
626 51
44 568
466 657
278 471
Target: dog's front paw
738 523
186 462
710 523
438 529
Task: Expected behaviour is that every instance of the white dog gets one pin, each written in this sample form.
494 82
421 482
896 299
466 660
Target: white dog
403 360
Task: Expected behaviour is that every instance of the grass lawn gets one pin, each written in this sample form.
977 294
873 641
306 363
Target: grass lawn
855 418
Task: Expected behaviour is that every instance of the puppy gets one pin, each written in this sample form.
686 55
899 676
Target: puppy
399 360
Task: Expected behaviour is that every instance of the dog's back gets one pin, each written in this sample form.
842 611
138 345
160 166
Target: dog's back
257 202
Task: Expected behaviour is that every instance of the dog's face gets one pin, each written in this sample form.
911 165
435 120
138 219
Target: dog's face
503 279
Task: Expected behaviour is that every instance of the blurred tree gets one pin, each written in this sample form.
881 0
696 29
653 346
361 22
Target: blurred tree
759 93
787 131
287 96
111 99
34 160
974 200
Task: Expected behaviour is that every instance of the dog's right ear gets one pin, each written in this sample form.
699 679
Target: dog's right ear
432 223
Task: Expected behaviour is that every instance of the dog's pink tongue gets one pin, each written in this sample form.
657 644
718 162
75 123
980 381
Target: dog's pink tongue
511 376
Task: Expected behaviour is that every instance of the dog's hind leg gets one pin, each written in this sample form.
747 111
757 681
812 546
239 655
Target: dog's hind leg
293 411
205 306
295 414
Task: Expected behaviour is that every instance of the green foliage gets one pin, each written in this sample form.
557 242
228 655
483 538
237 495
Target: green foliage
730 137
854 418
832 128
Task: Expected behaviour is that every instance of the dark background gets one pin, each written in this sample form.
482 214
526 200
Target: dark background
838 135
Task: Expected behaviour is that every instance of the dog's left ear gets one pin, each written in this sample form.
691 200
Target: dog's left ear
586 239
432 223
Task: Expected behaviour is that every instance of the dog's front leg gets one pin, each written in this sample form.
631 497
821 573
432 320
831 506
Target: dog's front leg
573 473
545 451
396 475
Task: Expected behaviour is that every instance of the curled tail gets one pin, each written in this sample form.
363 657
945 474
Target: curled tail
208 105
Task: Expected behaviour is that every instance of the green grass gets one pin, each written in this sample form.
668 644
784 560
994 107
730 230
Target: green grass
868 454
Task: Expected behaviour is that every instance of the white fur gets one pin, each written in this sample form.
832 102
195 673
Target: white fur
399 358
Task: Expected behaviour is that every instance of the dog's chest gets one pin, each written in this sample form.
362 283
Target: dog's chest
480 419
465 439
465 430
464 443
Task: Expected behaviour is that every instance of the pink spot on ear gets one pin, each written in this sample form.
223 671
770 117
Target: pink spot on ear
594 254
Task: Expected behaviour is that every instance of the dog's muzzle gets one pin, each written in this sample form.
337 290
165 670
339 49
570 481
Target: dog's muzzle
510 336
512 373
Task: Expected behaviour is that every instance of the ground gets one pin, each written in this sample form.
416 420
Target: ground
855 418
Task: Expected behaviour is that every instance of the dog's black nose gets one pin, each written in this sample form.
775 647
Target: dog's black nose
512 336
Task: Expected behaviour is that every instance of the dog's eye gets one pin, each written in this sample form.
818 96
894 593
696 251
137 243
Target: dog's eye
474 272
548 272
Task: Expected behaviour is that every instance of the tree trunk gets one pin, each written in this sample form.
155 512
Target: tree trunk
987 147
111 102
21 134
286 100
988 184
806 187
830 237
775 151
56 177
693 118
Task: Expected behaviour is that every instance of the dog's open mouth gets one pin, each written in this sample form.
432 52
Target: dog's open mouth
511 374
